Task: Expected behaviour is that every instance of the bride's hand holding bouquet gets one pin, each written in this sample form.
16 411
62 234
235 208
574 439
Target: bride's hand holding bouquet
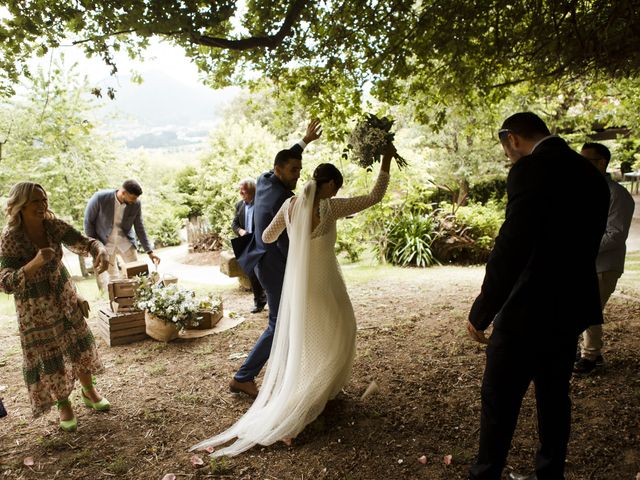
370 139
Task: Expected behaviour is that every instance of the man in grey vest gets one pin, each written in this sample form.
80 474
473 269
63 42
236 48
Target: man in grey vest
610 261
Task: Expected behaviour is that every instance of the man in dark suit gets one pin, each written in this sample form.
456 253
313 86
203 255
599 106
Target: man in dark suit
242 225
268 261
540 291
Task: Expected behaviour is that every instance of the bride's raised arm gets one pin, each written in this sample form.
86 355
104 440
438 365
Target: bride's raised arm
277 225
343 207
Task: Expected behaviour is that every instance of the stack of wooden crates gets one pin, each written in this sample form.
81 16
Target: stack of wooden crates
121 322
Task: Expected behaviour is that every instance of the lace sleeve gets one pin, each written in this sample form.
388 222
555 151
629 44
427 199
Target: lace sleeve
277 225
342 207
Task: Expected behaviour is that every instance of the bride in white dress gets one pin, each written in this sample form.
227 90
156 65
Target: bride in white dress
314 341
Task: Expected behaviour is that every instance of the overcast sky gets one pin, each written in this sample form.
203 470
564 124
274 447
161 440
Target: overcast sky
160 56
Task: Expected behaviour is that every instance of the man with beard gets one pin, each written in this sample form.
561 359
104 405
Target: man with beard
111 216
268 261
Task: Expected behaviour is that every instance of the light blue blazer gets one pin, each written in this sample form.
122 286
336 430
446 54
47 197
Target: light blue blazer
98 219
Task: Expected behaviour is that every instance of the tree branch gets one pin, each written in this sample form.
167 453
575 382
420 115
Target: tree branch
270 41
101 37
517 81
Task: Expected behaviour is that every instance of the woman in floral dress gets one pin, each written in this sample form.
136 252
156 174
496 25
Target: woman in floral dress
57 345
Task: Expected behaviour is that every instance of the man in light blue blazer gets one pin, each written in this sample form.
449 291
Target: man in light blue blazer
110 217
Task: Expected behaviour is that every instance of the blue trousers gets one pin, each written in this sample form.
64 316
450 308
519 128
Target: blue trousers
271 275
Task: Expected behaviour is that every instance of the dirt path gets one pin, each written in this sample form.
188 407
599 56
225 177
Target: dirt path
411 341
173 262
190 268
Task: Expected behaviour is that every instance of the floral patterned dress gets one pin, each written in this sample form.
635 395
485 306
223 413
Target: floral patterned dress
56 341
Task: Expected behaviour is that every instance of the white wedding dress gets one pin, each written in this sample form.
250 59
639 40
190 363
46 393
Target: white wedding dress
314 341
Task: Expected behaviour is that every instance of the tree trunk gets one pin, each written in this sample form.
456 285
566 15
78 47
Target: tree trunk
83 267
463 192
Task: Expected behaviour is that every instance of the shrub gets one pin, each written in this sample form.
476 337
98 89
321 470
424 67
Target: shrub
409 238
167 233
468 235
487 190
349 240
482 221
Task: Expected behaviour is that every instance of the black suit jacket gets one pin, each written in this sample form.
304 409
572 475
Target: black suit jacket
238 219
270 195
541 277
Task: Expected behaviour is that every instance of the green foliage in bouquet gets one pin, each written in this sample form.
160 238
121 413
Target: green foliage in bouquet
368 140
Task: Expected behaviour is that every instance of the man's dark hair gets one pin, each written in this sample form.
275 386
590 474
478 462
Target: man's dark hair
283 157
600 150
132 187
527 125
325 172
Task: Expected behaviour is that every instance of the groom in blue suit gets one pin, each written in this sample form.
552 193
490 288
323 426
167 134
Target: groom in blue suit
268 261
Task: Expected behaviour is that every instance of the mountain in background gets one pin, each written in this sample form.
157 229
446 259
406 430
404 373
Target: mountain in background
163 112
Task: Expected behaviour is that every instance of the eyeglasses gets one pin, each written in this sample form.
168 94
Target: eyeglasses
503 133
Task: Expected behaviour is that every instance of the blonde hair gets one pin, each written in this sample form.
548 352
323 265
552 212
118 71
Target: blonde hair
19 195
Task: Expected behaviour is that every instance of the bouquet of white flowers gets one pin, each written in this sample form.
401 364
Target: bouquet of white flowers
171 303
368 140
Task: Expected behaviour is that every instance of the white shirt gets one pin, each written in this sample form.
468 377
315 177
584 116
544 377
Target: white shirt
540 141
117 240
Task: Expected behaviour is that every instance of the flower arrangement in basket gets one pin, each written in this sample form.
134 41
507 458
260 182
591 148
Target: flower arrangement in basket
172 304
211 310
171 308
368 139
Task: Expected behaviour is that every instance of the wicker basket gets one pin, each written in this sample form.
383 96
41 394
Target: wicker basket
158 329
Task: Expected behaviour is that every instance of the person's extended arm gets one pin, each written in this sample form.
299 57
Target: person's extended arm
14 273
343 207
141 233
276 227
512 248
81 245
314 131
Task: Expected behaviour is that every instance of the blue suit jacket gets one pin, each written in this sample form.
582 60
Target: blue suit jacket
270 195
98 219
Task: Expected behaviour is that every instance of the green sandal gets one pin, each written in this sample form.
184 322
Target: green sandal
101 405
67 425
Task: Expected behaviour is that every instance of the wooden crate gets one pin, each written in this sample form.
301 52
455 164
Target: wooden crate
131 269
119 328
209 320
168 279
123 305
121 287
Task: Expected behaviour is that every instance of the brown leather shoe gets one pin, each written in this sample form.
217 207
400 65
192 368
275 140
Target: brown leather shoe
248 388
